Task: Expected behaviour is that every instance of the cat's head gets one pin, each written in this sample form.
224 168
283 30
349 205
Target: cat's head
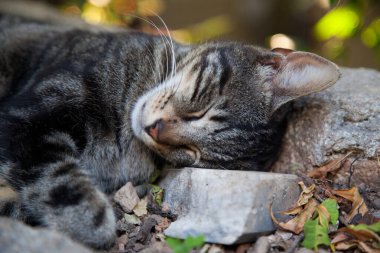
218 109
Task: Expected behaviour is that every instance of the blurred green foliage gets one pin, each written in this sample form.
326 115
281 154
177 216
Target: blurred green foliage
343 21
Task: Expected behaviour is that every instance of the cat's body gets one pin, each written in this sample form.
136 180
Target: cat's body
83 112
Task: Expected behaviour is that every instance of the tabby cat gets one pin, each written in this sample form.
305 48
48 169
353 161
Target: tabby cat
84 111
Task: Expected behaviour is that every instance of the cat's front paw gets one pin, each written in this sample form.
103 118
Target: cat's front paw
79 211
92 222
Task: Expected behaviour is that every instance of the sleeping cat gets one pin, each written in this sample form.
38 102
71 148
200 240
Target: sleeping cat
83 112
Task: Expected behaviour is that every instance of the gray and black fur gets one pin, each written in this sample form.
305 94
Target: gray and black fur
82 112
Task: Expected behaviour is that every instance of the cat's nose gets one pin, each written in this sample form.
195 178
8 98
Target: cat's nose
154 129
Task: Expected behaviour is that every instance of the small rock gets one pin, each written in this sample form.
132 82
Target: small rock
205 248
140 208
376 203
242 248
226 206
145 230
304 250
164 224
127 197
157 247
132 219
138 247
122 239
157 218
121 247
215 249
261 245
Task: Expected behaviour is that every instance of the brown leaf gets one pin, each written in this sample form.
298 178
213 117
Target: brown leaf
355 243
306 194
340 237
323 213
358 205
334 165
345 245
293 211
362 235
296 224
365 248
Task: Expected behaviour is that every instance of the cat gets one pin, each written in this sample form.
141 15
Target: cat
85 111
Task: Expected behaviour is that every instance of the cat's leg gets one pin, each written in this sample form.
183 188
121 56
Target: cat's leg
54 192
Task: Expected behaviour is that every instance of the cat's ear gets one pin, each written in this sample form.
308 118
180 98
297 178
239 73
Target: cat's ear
298 74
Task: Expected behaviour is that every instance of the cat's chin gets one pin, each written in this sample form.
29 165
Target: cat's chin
179 156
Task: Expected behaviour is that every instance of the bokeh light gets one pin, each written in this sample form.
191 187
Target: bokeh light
340 22
281 40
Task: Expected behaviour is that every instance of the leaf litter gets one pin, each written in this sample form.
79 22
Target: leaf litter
319 218
323 218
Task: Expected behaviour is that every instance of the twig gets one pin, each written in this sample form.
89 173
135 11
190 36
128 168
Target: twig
295 243
351 171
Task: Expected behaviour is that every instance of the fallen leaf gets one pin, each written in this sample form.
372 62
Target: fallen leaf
362 235
306 194
293 211
315 235
296 224
334 165
157 194
140 208
365 248
323 216
373 227
132 219
340 237
345 245
332 208
355 243
358 205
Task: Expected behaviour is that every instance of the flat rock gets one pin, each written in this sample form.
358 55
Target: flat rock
226 206
329 124
16 237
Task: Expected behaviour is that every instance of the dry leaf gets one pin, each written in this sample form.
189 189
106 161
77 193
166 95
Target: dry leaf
306 194
296 224
340 237
293 211
140 208
355 243
362 235
345 245
358 205
323 215
335 164
365 248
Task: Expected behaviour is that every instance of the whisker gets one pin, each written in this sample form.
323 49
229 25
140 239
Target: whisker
174 66
162 36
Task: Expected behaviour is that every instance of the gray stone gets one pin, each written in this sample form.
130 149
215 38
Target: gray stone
329 124
127 197
16 237
226 206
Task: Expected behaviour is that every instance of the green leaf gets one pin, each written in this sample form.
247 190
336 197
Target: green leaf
195 242
315 235
176 245
373 227
185 246
157 193
332 207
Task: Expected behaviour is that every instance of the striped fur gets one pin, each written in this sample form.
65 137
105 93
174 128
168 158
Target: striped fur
83 112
